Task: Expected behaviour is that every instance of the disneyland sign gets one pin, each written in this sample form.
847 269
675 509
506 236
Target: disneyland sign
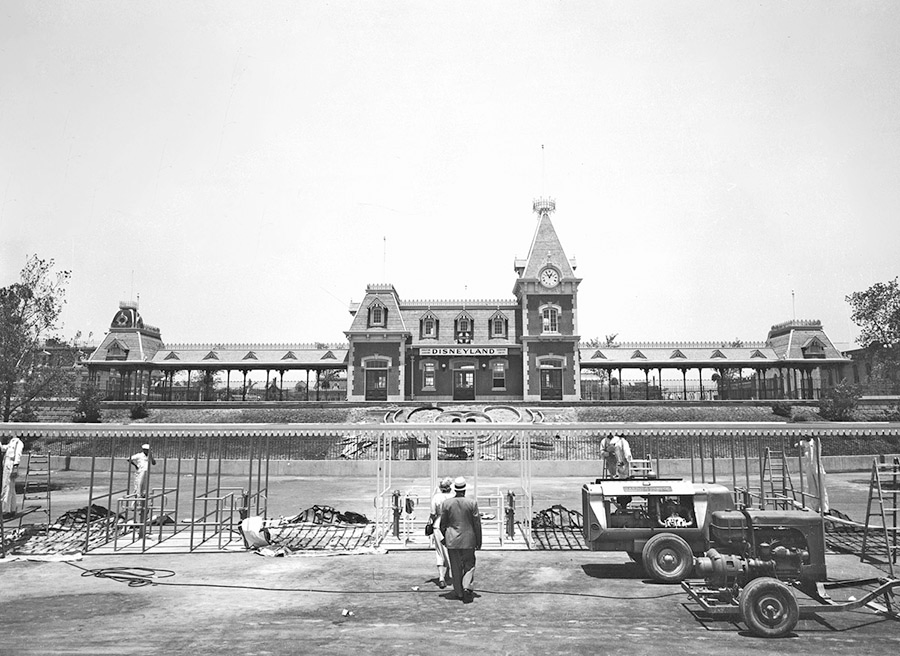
464 350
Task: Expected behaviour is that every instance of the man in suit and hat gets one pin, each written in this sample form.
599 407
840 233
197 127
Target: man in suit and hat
461 526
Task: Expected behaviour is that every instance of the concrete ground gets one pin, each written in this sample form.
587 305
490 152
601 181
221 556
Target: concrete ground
527 602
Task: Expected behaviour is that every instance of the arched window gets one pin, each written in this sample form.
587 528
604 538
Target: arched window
550 319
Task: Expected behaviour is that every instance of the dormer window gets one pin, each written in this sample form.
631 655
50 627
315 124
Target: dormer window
377 315
117 351
813 349
464 329
428 327
498 326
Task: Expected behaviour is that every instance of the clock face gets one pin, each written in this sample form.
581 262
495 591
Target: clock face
549 277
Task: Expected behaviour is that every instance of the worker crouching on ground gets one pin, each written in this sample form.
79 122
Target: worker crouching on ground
461 526
442 558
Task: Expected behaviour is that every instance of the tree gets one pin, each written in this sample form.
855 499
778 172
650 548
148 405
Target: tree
209 381
592 388
839 402
728 378
29 313
608 341
87 407
877 312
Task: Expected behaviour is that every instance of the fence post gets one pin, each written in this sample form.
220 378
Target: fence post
510 514
395 501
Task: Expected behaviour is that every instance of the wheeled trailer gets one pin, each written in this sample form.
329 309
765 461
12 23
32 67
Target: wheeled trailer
770 608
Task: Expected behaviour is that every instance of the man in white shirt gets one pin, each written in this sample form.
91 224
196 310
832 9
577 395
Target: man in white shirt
141 462
608 456
12 455
812 468
622 449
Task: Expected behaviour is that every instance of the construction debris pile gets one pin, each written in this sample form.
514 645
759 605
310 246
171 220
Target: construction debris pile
73 532
319 528
557 528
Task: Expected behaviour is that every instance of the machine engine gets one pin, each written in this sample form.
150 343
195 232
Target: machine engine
748 544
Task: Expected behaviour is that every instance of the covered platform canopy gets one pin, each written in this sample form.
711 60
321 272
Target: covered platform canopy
154 377
789 364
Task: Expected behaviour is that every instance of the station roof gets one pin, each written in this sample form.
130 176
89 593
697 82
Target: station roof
693 354
244 356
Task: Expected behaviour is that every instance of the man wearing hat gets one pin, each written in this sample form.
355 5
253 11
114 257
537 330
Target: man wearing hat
461 526
141 462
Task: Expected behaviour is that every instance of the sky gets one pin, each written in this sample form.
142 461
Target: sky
246 169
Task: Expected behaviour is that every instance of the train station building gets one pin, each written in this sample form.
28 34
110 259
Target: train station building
526 347
521 348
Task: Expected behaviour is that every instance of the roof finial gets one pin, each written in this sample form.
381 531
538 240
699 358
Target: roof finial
543 206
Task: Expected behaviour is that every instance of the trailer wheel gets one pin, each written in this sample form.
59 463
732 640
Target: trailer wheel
668 558
769 608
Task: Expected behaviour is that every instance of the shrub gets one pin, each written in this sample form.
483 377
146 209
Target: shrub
24 414
839 403
892 414
87 409
804 414
782 409
139 411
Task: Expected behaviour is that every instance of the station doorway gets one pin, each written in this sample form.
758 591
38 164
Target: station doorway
551 384
464 383
376 384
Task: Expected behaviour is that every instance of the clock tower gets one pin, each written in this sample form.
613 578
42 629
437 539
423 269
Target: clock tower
547 291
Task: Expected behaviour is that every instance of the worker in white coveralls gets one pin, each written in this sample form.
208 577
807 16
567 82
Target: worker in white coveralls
12 454
814 472
608 456
442 558
622 449
141 462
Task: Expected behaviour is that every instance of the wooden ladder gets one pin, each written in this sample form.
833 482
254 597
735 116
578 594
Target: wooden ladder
776 487
887 509
37 485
